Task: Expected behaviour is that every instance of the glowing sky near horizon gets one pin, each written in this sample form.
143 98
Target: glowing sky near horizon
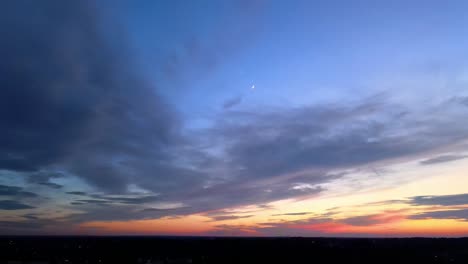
234 118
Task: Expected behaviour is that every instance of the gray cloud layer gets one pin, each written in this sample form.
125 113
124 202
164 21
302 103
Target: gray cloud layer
444 200
15 191
13 205
447 214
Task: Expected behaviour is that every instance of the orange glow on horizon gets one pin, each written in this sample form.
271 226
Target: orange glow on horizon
392 225
361 214
187 225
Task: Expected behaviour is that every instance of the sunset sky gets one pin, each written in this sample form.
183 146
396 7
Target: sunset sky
234 118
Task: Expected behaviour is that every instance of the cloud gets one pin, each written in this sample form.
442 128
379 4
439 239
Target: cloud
160 209
77 203
72 104
77 193
447 214
299 213
15 225
44 178
105 211
288 153
107 199
284 153
51 185
444 200
431 200
267 144
321 225
238 194
365 220
31 225
36 127
13 205
15 191
30 216
442 159
230 103
463 100
334 136
293 228
228 217
92 201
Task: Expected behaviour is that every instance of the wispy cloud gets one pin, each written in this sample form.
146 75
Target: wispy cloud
230 103
51 185
229 217
15 191
299 213
13 205
444 200
443 159
444 214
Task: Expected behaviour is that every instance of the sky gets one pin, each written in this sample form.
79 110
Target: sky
234 118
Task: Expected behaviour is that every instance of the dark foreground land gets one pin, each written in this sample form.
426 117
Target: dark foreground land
231 250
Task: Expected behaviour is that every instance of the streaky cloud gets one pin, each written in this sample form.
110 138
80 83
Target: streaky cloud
443 159
461 214
13 205
444 200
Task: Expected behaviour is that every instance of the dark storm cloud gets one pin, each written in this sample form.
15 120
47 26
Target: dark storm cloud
13 205
15 191
444 200
442 159
40 101
447 214
70 99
